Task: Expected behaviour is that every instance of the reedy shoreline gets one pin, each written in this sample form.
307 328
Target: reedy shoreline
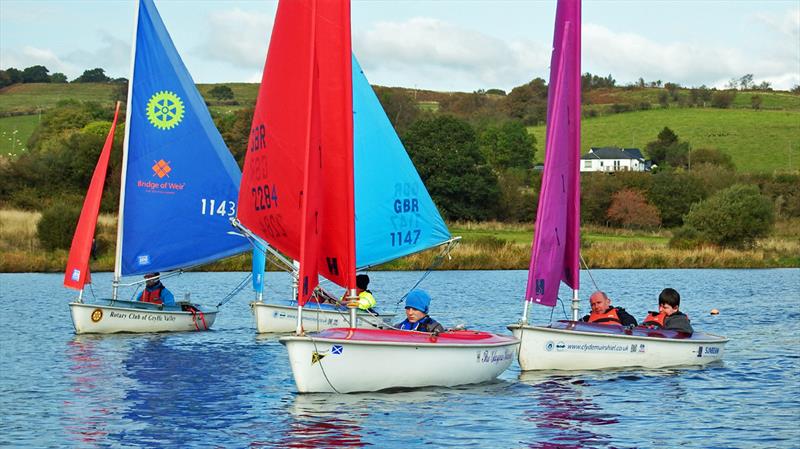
484 246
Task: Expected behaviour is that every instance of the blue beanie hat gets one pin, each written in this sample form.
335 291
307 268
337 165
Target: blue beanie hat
418 299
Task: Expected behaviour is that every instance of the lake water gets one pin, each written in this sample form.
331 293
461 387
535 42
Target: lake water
232 388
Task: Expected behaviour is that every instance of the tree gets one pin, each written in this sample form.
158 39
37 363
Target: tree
58 77
663 99
668 149
120 90
399 106
746 81
711 156
597 189
445 151
629 208
35 74
508 145
755 102
734 217
221 92
673 193
672 88
723 99
528 102
96 75
496 92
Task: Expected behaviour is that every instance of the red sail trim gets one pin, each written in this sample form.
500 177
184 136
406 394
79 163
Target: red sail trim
334 56
77 271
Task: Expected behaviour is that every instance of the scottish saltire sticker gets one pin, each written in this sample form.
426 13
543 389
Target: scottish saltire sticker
336 349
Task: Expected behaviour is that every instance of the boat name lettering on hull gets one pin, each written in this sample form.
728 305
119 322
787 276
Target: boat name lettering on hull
141 316
495 355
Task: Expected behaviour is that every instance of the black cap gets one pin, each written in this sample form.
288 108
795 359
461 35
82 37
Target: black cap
362 281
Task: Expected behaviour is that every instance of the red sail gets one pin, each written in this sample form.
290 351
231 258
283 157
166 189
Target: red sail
77 272
297 185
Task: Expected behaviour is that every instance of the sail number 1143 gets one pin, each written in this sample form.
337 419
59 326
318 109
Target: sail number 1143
214 207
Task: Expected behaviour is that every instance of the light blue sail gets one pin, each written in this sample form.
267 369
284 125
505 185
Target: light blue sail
181 182
259 264
395 215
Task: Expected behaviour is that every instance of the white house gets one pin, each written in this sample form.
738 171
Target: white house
614 159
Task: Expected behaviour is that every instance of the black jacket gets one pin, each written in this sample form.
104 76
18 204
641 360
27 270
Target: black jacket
678 321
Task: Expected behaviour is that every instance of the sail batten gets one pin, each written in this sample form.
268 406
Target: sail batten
555 256
180 180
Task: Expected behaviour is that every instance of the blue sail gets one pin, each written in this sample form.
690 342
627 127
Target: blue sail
181 182
395 215
259 264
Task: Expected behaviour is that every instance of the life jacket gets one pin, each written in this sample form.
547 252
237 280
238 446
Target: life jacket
153 295
654 319
610 316
366 301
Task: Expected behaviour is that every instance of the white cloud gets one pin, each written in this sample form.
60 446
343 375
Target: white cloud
29 56
237 37
435 54
629 56
113 55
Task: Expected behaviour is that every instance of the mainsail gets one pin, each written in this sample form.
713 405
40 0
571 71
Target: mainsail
180 182
555 256
77 273
297 185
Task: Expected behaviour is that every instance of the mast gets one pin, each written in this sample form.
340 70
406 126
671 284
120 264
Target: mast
120 214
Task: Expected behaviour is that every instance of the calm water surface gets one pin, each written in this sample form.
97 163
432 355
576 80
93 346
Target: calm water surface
232 388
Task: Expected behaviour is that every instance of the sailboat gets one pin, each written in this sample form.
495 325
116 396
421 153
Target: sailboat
555 257
390 195
178 192
298 193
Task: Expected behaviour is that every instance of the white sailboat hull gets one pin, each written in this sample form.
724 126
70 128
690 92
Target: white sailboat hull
276 318
109 319
580 346
351 363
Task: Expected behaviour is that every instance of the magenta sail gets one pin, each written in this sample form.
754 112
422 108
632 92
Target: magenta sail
556 245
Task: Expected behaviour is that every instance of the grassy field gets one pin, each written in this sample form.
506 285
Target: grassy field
762 141
14 133
34 97
770 100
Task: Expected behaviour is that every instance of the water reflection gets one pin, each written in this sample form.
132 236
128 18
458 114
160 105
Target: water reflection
563 414
93 399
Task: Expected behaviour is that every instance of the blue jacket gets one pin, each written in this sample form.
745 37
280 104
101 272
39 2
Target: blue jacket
166 296
426 324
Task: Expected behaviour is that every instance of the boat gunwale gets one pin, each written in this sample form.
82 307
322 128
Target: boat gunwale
307 309
136 309
690 340
511 341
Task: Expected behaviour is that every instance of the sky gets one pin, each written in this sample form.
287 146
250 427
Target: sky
437 45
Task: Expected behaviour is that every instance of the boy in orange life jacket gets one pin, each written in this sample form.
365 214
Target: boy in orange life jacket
155 292
668 316
603 313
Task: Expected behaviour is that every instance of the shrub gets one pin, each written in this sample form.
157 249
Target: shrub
630 209
733 217
57 225
686 237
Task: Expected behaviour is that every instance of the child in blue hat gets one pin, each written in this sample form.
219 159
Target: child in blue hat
417 319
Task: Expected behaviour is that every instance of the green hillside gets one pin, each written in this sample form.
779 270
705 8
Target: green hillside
758 141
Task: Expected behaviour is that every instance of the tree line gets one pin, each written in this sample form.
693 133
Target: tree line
40 74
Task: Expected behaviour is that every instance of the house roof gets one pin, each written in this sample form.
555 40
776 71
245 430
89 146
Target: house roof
613 153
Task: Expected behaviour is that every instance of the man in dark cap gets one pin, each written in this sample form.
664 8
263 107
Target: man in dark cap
155 292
